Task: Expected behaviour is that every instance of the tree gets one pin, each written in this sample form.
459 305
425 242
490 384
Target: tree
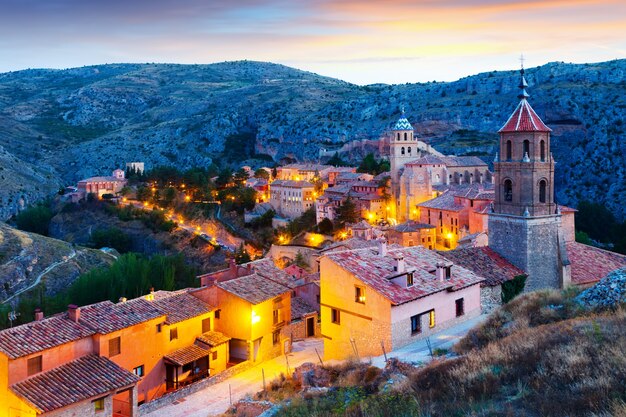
274 173
112 238
262 173
169 196
368 165
241 256
224 178
347 212
300 261
512 288
35 219
143 194
240 177
337 161
325 227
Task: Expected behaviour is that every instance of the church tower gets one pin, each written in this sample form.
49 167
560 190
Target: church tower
402 149
525 225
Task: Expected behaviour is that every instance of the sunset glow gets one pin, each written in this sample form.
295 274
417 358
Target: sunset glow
359 41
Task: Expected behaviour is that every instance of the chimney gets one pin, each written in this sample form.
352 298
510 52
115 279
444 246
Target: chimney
382 246
398 263
441 271
232 265
74 312
38 314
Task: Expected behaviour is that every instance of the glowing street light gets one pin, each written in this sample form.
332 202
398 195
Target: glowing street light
255 318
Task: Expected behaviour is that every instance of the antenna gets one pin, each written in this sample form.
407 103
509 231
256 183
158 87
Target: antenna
521 60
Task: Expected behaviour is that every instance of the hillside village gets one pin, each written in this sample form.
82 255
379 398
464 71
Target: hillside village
435 242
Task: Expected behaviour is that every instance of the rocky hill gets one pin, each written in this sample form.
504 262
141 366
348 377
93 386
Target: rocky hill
67 124
27 259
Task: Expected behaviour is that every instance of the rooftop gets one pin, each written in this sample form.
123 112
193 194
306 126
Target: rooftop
349 244
103 179
524 119
403 124
253 288
107 317
485 262
376 271
213 338
449 161
36 336
306 167
412 226
300 308
82 379
292 184
186 355
590 264
444 202
181 306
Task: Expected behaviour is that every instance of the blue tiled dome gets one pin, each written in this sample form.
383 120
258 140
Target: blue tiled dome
403 124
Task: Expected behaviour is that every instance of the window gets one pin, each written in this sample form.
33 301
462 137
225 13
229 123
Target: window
526 148
276 316
334 316
542 149
276 337
460 307
416 325
206 325
409 279
508 150
359 294
34 365
508 190
431 318
98 405
139 371
173 333
408 149
542 191
214 356
159 327
217 313
402 150
448 270
405 136
398 135
115 346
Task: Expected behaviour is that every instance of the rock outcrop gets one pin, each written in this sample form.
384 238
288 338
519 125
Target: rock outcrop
608 292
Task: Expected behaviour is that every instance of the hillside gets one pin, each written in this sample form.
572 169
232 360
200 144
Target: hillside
29 258
69 124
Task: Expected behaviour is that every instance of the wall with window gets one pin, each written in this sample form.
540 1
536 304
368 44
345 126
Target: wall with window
444 305
366 323
9 402
86 408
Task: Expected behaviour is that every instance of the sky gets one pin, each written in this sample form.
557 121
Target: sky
364 42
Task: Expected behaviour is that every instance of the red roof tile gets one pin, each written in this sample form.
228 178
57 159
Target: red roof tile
186 355
590 264
253 288
82 379
181 306
213 338
485 262
300 308
444 202
524 119
40 335
107 317
376 271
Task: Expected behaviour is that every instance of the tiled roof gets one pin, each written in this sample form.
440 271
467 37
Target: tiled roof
267 269
82 379
213 338
485 262
181 306
300 308
253 288
292 184
427 160
444 202
524 119
40 335
403 124
186 355
376 270
476 192
306 167
362 225
449 161
590 264
565 209
103 179
412 226
107 317
349 244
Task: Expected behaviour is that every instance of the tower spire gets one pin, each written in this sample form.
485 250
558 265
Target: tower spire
522 84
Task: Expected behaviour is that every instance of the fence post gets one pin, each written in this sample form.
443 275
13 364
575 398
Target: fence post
230 395
319 357
382 344
264 389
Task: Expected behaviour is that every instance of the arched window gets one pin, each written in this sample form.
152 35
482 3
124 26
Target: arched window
402 151
542 147
405 136
409 149
398 136
508 150
542 191
508 190
526 148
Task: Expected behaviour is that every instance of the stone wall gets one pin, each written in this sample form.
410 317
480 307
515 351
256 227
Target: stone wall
84 409
195 387
490 298
298 328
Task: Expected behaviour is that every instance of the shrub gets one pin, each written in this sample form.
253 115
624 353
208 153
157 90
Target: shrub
512 288
35 219
113 238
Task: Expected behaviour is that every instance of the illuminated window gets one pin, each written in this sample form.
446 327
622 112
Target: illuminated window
359 294
139 371
34 365
173 334
334 316
115 346
409 279
98 405
431 318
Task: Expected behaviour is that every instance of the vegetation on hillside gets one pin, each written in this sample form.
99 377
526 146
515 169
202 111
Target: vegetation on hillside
595 222
35 219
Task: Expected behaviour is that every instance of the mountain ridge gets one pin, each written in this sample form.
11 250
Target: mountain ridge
86 121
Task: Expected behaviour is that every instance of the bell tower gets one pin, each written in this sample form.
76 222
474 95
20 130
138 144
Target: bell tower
402 150
524 223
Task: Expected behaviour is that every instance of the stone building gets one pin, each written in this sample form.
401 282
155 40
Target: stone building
291 198
525 225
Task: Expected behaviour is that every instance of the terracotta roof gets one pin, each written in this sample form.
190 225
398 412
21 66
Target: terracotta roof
40 335
449 161
349 244
376 271
524 119
182 306
213 338
186 355
565 209
590 264
476 192
300 308
107 317
485 262
292 184
82 379
253 288
267 269
103 179
444 202
362 225
412 226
